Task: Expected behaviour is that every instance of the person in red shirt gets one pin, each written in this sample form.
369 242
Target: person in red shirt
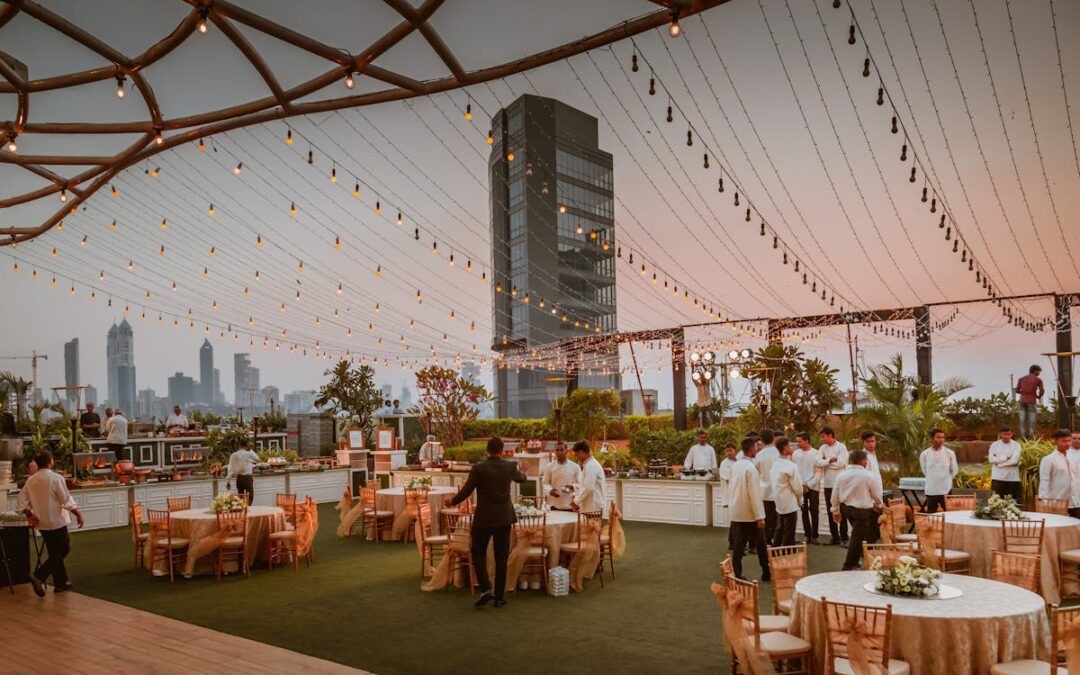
1030 388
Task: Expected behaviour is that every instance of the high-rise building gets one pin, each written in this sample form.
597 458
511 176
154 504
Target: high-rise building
71 371
470 371
245 378
120 365
553 239
90 395
181 390
207 389
299 401
145 407
219 396
406 398
387 392
269 397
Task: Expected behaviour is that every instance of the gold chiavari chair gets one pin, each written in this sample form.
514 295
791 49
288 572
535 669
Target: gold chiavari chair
371 516
1018 569
930 528
872 626
793 653
459 538
606 552
787 564
138 536
537 554
1022 536
1063 625
281 545
164 547
287 503
960 502
432 546
178 503
1058 506
898 511
587 520
890 553
414 497
234 547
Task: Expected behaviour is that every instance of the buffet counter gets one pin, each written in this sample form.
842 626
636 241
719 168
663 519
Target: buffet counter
158 452
108 506
666 500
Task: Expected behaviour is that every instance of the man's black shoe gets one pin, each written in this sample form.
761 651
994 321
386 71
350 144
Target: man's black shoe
485 598
835 541
499 602
62 589
38 584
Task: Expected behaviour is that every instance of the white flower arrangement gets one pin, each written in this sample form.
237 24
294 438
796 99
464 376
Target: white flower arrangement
999 508
526 508
227 501
907 578
419 483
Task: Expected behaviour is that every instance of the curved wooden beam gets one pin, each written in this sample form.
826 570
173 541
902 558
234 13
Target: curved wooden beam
252 55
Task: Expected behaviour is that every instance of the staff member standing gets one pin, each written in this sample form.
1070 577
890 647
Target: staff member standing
834 457
493 517
1004 458
591 494
747 511
118 433
1059 474
90 422
242 465
857 496
560 478
806 457
46 502
701 456
939 465
1031 390
767 455
787 491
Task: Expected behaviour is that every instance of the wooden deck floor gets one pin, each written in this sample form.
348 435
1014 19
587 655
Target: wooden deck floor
73 633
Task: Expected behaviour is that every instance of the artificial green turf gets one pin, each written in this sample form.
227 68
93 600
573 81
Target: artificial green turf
361 605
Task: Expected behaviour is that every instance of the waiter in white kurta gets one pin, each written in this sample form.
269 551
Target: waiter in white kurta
560 480
591 494
939 465
1059 474
702 457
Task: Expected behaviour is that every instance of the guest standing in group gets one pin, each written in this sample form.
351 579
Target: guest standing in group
90 422
939 466
1059 474
592 490
242 466
747 511
1004 458
117 437
834 457
857 496
46 502
701 457
765 458
492 519
726 466
806 458
787 490
1074 451
1031 390
559 480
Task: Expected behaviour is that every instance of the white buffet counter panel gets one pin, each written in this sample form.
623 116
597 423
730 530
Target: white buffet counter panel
679 502
109 506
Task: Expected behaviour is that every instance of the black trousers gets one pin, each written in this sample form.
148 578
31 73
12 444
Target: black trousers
118 448
863 529
58 544
1007 488
480 538
933 502
810 515
770 521
785 529
743 534
246 484
839 533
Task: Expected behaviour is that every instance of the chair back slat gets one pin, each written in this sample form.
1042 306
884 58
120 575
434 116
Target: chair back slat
367 498
748 610
1018 569
960 502
234 520
589 520
1058 506
1023 536
842 618
459 530
889 553
287 503
1062 621
136 520
179 503
787 564
424 514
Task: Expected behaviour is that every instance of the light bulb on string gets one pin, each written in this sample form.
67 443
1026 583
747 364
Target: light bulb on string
400 220
490 138
933 205
689 138
333 174
468 111
881 96
154 172
288 136
924 191
748 215
120 86
866 67
337 242
736 198
911 179
670 117
349 81
894 129
201 24
292 209
468 266
652 86
851 35
903 152
378 207
720 187
356 190
158 138
942 223
510 155
674 29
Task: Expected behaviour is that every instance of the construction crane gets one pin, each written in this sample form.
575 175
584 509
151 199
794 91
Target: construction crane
33 370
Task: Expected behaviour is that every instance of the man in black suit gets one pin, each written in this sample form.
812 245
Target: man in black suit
493 517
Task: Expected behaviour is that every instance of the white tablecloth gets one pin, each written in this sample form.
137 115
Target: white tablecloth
965 532
393 499
195 524
990 623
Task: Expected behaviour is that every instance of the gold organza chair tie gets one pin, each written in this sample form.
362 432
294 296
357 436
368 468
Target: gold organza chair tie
618 535
307 525
410 513
208 545
742 646
583 565
345 504
519 555
858 635
440 578
348 518
928 554
1070 640
886 527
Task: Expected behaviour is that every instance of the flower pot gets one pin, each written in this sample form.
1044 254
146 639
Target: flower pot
124 466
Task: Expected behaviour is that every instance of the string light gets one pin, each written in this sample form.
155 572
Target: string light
120 86
349 81
210 211
288 136
11 145
202 146
674 29
292 209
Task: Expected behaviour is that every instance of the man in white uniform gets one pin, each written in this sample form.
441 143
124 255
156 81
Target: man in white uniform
859 494
1074 451
869 444
177 421
806 458
1059 475
46 502
726 467
939 465
765 458
431 452
242 465
591 494
1004 458
701 456
560 478
747 511
117 436
834 457
786 487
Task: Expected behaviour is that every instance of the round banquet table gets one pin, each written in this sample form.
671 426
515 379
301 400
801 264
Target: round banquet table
965 532
195 524
991 622
393 499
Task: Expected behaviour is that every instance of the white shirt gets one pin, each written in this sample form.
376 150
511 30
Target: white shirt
857 488
1004 459
701 457
117 430
809 471
431 451
939 467
765 458
726 467
873 467
46 494
1058 478
242 462
832 471
558 477
785 485
744 493
177 421
591 494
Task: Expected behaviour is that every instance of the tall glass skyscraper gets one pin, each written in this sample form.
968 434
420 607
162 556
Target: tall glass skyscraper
120 362
552 236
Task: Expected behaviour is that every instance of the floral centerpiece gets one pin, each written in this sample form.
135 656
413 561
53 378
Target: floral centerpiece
419 483
227 501
907 578
526 508
999 508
